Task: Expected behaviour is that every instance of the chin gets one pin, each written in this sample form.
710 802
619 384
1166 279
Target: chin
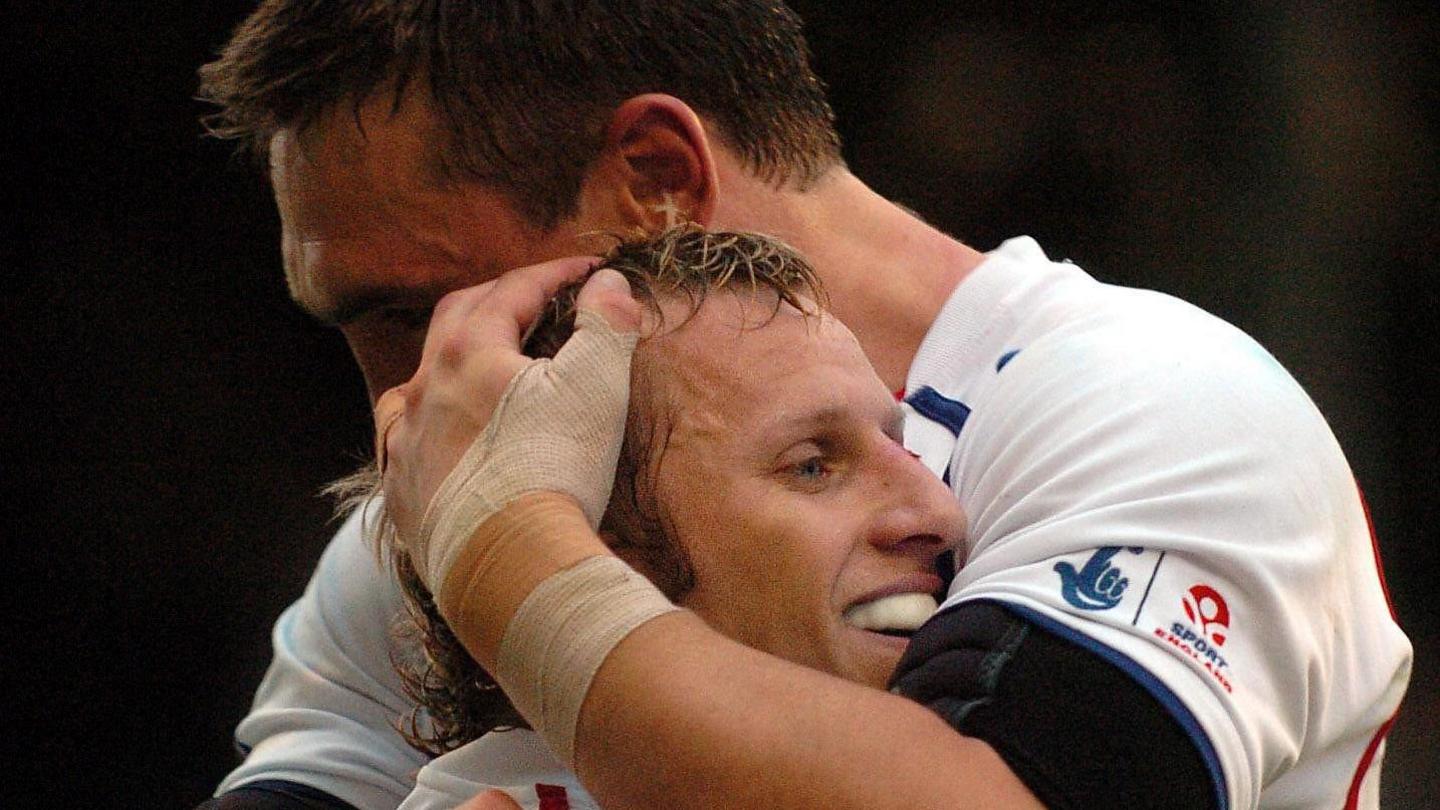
873 664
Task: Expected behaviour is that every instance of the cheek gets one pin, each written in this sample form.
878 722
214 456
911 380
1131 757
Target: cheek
767 570
739 576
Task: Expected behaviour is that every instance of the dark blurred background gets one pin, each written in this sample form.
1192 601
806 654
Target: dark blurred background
168 417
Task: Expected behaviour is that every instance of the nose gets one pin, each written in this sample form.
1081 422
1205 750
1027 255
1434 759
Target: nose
916 512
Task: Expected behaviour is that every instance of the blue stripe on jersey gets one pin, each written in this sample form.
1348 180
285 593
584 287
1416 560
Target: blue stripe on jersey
1005 359
276 794
1152 684
932 405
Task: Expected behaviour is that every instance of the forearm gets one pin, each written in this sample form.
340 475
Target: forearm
679 715
532 538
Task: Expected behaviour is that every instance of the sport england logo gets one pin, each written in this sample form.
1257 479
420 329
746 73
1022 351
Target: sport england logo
1204 635
1206 607
1099 584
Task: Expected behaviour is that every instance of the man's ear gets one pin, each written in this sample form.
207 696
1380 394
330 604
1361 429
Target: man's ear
661 159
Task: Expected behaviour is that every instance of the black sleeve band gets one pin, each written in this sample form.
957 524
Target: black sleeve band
1075 728
275 794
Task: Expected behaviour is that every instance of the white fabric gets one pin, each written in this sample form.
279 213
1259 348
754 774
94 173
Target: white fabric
516 762
1139 464
1127 418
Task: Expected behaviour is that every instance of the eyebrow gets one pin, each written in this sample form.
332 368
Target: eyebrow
345 303
893 422
354 304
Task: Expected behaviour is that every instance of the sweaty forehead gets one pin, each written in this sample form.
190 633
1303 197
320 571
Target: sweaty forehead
352 201
349 166
736 349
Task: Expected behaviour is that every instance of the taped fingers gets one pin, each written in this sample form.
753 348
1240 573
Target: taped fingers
472 365
396 475
557 427
607 294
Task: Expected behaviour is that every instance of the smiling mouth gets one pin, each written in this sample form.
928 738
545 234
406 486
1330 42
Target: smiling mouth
898 615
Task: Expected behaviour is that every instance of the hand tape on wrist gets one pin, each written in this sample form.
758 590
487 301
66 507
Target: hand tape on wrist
558 427
562 633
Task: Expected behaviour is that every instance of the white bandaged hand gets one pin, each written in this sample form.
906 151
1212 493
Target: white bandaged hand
558 428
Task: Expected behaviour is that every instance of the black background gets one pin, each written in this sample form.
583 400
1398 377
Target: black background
168 417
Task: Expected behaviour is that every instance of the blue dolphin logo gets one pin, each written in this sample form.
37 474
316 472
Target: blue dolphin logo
1099 585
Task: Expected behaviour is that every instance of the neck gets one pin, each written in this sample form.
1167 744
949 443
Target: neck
886 273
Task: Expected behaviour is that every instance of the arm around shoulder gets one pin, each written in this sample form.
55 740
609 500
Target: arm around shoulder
689 718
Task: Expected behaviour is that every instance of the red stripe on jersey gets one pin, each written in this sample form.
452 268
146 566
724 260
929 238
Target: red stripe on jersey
1375 549
1352 799
552 797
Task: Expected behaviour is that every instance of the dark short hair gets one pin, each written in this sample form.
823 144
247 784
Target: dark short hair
460 701
523 88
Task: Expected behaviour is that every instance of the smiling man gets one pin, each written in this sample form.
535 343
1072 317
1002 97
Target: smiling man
765 487
1167 548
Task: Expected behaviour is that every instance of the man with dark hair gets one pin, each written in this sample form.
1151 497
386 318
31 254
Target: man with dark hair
1166 548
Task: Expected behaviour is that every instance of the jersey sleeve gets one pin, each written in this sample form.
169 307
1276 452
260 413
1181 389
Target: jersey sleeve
1076 730
325 714
1163 494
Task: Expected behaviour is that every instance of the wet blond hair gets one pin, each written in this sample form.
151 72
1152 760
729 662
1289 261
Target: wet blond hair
457 700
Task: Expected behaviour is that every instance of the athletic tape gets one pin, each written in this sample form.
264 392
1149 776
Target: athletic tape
558 427
562 633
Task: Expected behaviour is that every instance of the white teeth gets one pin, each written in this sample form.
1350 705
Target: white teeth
902 611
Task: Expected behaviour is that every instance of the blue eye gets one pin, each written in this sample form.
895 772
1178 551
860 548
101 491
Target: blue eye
812 469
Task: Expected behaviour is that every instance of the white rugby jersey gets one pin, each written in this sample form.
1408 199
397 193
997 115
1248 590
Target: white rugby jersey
1143 479
1139 477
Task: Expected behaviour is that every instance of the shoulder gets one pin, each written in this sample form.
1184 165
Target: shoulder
1138 384
1147 481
